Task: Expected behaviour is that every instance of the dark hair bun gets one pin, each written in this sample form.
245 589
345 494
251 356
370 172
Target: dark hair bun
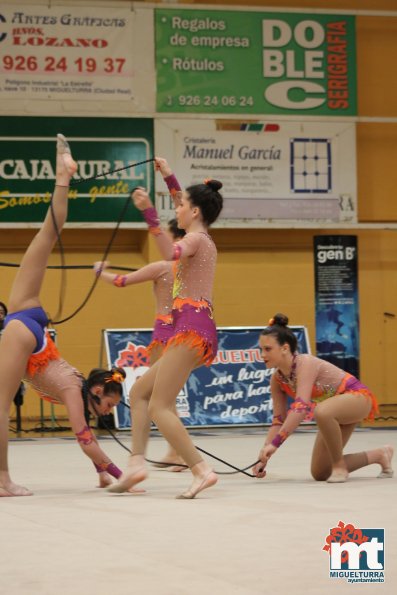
215 185
280 319
120 371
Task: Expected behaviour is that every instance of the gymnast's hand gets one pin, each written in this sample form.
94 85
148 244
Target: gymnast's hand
162 166
141 199
264 455
259 470
100 266
105 480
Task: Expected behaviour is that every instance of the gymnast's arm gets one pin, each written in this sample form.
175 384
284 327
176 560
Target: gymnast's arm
306 374
187 246
173 186
87 440
149 272
280 405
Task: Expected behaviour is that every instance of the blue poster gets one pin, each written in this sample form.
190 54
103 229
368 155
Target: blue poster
234 390
337 314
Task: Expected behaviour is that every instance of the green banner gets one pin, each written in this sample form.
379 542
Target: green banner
99 145
232 62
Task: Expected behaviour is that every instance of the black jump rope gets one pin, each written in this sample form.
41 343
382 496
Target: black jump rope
54 321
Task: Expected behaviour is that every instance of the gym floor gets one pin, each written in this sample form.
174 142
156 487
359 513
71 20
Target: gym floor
244 536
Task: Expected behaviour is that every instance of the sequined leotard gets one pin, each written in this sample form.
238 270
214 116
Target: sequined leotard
194 272
163 280
316 379
46 371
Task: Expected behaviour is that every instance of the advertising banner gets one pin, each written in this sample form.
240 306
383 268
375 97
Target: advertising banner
251 62
292 171
66 52
99 145
234 390
337 307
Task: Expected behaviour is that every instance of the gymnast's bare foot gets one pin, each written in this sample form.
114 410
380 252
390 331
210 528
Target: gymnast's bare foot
339 474
385 457
105 480
135 473
66 166
10 489
203 478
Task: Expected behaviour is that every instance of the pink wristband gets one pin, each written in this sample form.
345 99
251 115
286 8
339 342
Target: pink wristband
151 217
172 184
109 468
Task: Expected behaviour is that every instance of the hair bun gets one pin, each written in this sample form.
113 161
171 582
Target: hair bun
119 371
280 320
215 185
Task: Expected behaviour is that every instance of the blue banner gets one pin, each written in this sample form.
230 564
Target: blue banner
337 315
234 390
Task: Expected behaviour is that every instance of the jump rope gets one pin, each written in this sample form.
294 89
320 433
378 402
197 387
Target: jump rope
54 321
166 464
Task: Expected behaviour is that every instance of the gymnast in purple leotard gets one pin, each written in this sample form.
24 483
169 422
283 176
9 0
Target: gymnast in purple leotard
27 350
195 339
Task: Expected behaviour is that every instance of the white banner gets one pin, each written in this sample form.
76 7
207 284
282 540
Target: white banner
293 171
66 52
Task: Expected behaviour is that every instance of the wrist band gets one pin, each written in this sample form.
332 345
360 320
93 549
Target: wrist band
114 471
172 184
120 280
151 217
108 468
279 439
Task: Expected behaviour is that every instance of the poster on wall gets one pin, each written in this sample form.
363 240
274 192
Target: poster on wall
99 145
288 171
337 305
251 62
50 51
234 390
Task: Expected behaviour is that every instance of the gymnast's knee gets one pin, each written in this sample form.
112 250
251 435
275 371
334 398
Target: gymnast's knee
156 408
320 474
320 414
153 410
137 393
